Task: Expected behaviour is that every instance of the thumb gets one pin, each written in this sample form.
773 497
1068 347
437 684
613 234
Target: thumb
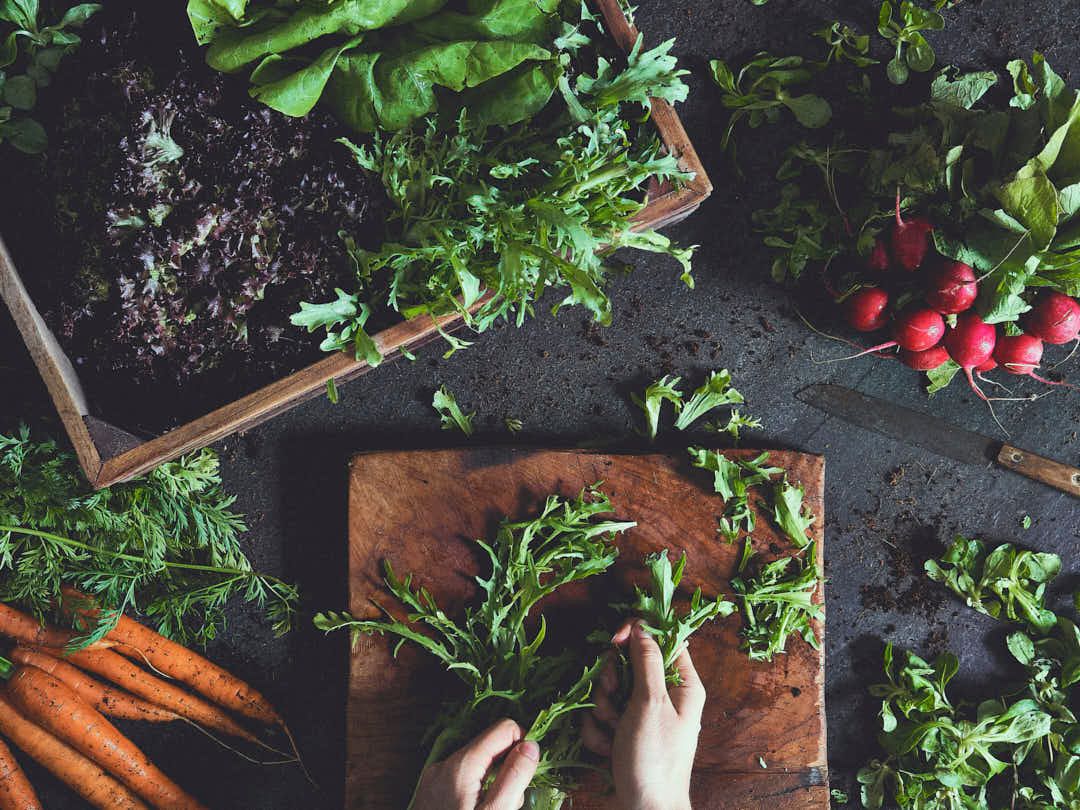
515 774
647 662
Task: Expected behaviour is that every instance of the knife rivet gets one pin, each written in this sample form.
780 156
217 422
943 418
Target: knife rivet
1017 458
1076 479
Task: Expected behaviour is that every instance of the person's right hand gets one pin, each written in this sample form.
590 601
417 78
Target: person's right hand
653 740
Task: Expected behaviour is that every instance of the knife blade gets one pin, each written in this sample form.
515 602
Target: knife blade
937 435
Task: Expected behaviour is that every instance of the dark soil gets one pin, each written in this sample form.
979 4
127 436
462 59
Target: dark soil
175 224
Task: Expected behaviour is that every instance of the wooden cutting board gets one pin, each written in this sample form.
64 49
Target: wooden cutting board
421 510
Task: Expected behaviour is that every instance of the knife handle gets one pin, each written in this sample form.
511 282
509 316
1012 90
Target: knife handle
1058 475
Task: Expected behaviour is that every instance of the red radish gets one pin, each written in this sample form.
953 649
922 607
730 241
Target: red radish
1022 354
867 309
971 343
926 360
953 289
1018 354
1054 319
914 330
878 260
910 240
989 365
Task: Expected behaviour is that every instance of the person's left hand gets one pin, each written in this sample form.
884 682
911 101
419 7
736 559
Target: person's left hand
457 782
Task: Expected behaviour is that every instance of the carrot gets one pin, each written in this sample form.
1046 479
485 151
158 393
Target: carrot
138 681
28 630
106 699
65 763
48 701
137 641
16 792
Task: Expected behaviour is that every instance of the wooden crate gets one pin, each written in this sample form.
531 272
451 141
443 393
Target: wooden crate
108 454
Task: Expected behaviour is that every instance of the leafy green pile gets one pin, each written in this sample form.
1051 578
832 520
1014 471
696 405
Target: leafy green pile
380 65
777 601
166 544
1019 750
1007 582
488 219
30 53
498 650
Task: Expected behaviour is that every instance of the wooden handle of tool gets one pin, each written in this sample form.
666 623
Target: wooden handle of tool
1058 475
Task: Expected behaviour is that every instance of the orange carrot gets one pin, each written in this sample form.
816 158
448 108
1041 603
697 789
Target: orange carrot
48 701
16 792
25 628
138 681
65 763
106 699
177 661
222 687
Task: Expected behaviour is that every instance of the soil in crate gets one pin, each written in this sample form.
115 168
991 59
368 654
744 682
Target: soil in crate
174 224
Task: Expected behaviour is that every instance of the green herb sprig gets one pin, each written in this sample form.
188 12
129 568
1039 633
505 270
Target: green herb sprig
167 544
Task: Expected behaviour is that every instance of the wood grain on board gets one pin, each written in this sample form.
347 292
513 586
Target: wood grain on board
109 454
421 510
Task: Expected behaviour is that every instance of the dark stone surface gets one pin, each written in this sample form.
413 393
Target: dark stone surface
889 504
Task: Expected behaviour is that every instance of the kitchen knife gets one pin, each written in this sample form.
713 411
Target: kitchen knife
914 427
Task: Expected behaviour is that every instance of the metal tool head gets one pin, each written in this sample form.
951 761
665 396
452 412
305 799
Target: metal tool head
902 424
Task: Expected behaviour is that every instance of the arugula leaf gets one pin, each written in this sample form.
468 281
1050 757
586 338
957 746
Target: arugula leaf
789 512
503 663
348 312
666 388
656 607
450 413
1006 582
732 480
714 392
735 423
777 602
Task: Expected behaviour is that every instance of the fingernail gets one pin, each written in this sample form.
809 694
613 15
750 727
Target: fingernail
529 749
640 631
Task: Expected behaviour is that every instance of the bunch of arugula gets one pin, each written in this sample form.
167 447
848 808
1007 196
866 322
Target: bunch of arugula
30 53
497 652
655 607
167 544
488 219
1019 750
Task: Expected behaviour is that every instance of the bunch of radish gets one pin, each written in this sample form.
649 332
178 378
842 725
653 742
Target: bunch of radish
941 324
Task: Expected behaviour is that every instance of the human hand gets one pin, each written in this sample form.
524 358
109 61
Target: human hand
457 782
653 741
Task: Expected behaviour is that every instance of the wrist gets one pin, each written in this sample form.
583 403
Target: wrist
666 804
